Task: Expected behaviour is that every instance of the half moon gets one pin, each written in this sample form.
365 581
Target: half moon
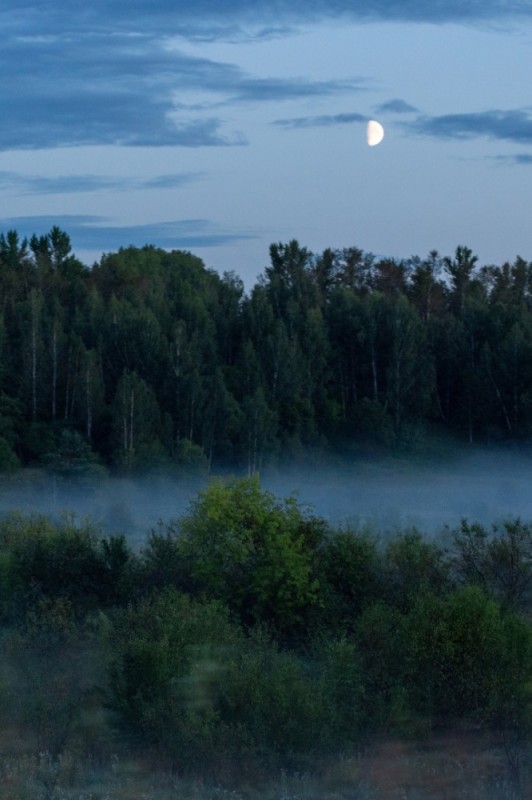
374 133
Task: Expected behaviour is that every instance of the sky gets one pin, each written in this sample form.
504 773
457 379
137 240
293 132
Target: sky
222 126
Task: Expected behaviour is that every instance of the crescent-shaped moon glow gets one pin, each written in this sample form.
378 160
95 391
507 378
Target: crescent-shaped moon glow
374 133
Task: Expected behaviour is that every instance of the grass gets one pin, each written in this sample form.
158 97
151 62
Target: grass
450 766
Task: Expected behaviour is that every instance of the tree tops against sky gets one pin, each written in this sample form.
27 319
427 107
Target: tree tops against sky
150 359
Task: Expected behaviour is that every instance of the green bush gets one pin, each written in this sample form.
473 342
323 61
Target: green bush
72 460
163 564
54 664
68 559
344 691
498 560
185 678
252 552
412 565
278 702
381 652
466 658
9 461
350 577
169 658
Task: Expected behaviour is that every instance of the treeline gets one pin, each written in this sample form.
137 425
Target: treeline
247 636
148 359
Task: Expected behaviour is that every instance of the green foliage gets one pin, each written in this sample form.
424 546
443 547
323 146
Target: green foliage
427 656
277 703
10 423
413 565
120 569
160 362
190 458
163 564
38 439
69 560
137 423
499 560
252 552
465 658
350 576
185 678
73 460
54 661
381 651
169 662
209 652
373 425
344 689
9 461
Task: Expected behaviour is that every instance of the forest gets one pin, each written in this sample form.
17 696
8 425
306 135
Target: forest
249 648
149 360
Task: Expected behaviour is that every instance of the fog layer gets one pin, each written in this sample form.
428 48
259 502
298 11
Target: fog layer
384 494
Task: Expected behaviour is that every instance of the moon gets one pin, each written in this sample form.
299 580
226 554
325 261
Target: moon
374 133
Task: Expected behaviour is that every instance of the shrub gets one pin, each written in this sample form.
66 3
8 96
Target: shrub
381 652
344 690
186 679
466 658
169 656
68 559
163 564
252 552
413 565
277 702
53 665
498 560
350 576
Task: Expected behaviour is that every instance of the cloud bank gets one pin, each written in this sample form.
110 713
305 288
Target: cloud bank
50 15
98 233
68 184
111 89
511 125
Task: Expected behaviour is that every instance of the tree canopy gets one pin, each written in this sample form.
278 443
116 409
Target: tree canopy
156 361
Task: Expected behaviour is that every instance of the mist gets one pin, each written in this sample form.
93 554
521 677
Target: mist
384 495
391 494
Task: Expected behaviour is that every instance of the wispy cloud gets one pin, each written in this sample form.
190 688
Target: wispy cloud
167 181
396 106
282 89
75 184
106 90
202 133
514 125
99 234
521 159
234 33
110 88
52 15
322 121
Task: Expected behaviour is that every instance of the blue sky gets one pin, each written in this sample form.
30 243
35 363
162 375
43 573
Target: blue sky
220 126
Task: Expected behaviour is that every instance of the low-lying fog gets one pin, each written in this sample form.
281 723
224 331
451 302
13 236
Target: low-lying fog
387 495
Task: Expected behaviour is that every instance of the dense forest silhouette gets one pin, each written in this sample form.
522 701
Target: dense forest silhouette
149 359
